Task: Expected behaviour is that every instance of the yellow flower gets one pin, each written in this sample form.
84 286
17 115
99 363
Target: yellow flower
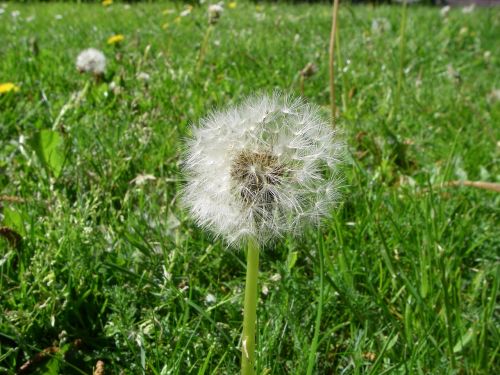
115 38
8 87
107 2
177 20
165 26
232 5
259 8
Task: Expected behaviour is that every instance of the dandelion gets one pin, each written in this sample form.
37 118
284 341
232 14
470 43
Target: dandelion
257 172
116 39
8 87
214 13
92 61
232 5
107 3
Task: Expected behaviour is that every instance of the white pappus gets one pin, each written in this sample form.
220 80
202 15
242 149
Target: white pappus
261 169
92 61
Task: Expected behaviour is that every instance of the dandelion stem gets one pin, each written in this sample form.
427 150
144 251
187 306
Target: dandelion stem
250 309
333 32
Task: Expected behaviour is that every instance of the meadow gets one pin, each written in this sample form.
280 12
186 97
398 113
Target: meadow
102 267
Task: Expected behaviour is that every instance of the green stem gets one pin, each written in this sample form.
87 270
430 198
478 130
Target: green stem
204 47
314 343
250 309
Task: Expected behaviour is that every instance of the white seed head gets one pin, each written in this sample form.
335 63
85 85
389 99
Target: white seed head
92 61
261 169
214 13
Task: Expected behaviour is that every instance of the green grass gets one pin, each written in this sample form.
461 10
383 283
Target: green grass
410 282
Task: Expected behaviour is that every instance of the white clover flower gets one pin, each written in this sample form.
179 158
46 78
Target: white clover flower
92 61
261 169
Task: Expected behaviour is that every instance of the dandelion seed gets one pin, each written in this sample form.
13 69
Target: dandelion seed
92 61
258 170
8 87
116 39
309 70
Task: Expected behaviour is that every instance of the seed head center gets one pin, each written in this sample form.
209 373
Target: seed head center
257 173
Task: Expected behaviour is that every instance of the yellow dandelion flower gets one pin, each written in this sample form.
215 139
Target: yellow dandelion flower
107 3
8 87
115 39
232 5
177 20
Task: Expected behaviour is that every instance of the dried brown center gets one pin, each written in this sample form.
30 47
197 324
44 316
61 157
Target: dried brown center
257 173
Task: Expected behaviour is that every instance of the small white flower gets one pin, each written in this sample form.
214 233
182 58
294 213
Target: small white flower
92 61
445 10
142 76
261 169
15 14
210 299
468 9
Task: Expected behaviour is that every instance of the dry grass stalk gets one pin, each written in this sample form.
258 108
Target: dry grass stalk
332 59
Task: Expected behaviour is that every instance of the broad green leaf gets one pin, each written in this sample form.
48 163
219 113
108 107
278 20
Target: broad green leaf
292 259
49 149
14 220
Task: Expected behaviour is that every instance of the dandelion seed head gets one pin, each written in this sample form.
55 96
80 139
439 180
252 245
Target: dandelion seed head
262 169
214 13
92 61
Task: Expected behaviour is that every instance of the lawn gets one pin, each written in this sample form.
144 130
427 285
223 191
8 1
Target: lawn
99 261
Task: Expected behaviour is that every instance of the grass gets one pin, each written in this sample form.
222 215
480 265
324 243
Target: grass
111 268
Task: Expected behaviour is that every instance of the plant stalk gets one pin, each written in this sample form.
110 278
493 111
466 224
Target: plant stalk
250 309
333 32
